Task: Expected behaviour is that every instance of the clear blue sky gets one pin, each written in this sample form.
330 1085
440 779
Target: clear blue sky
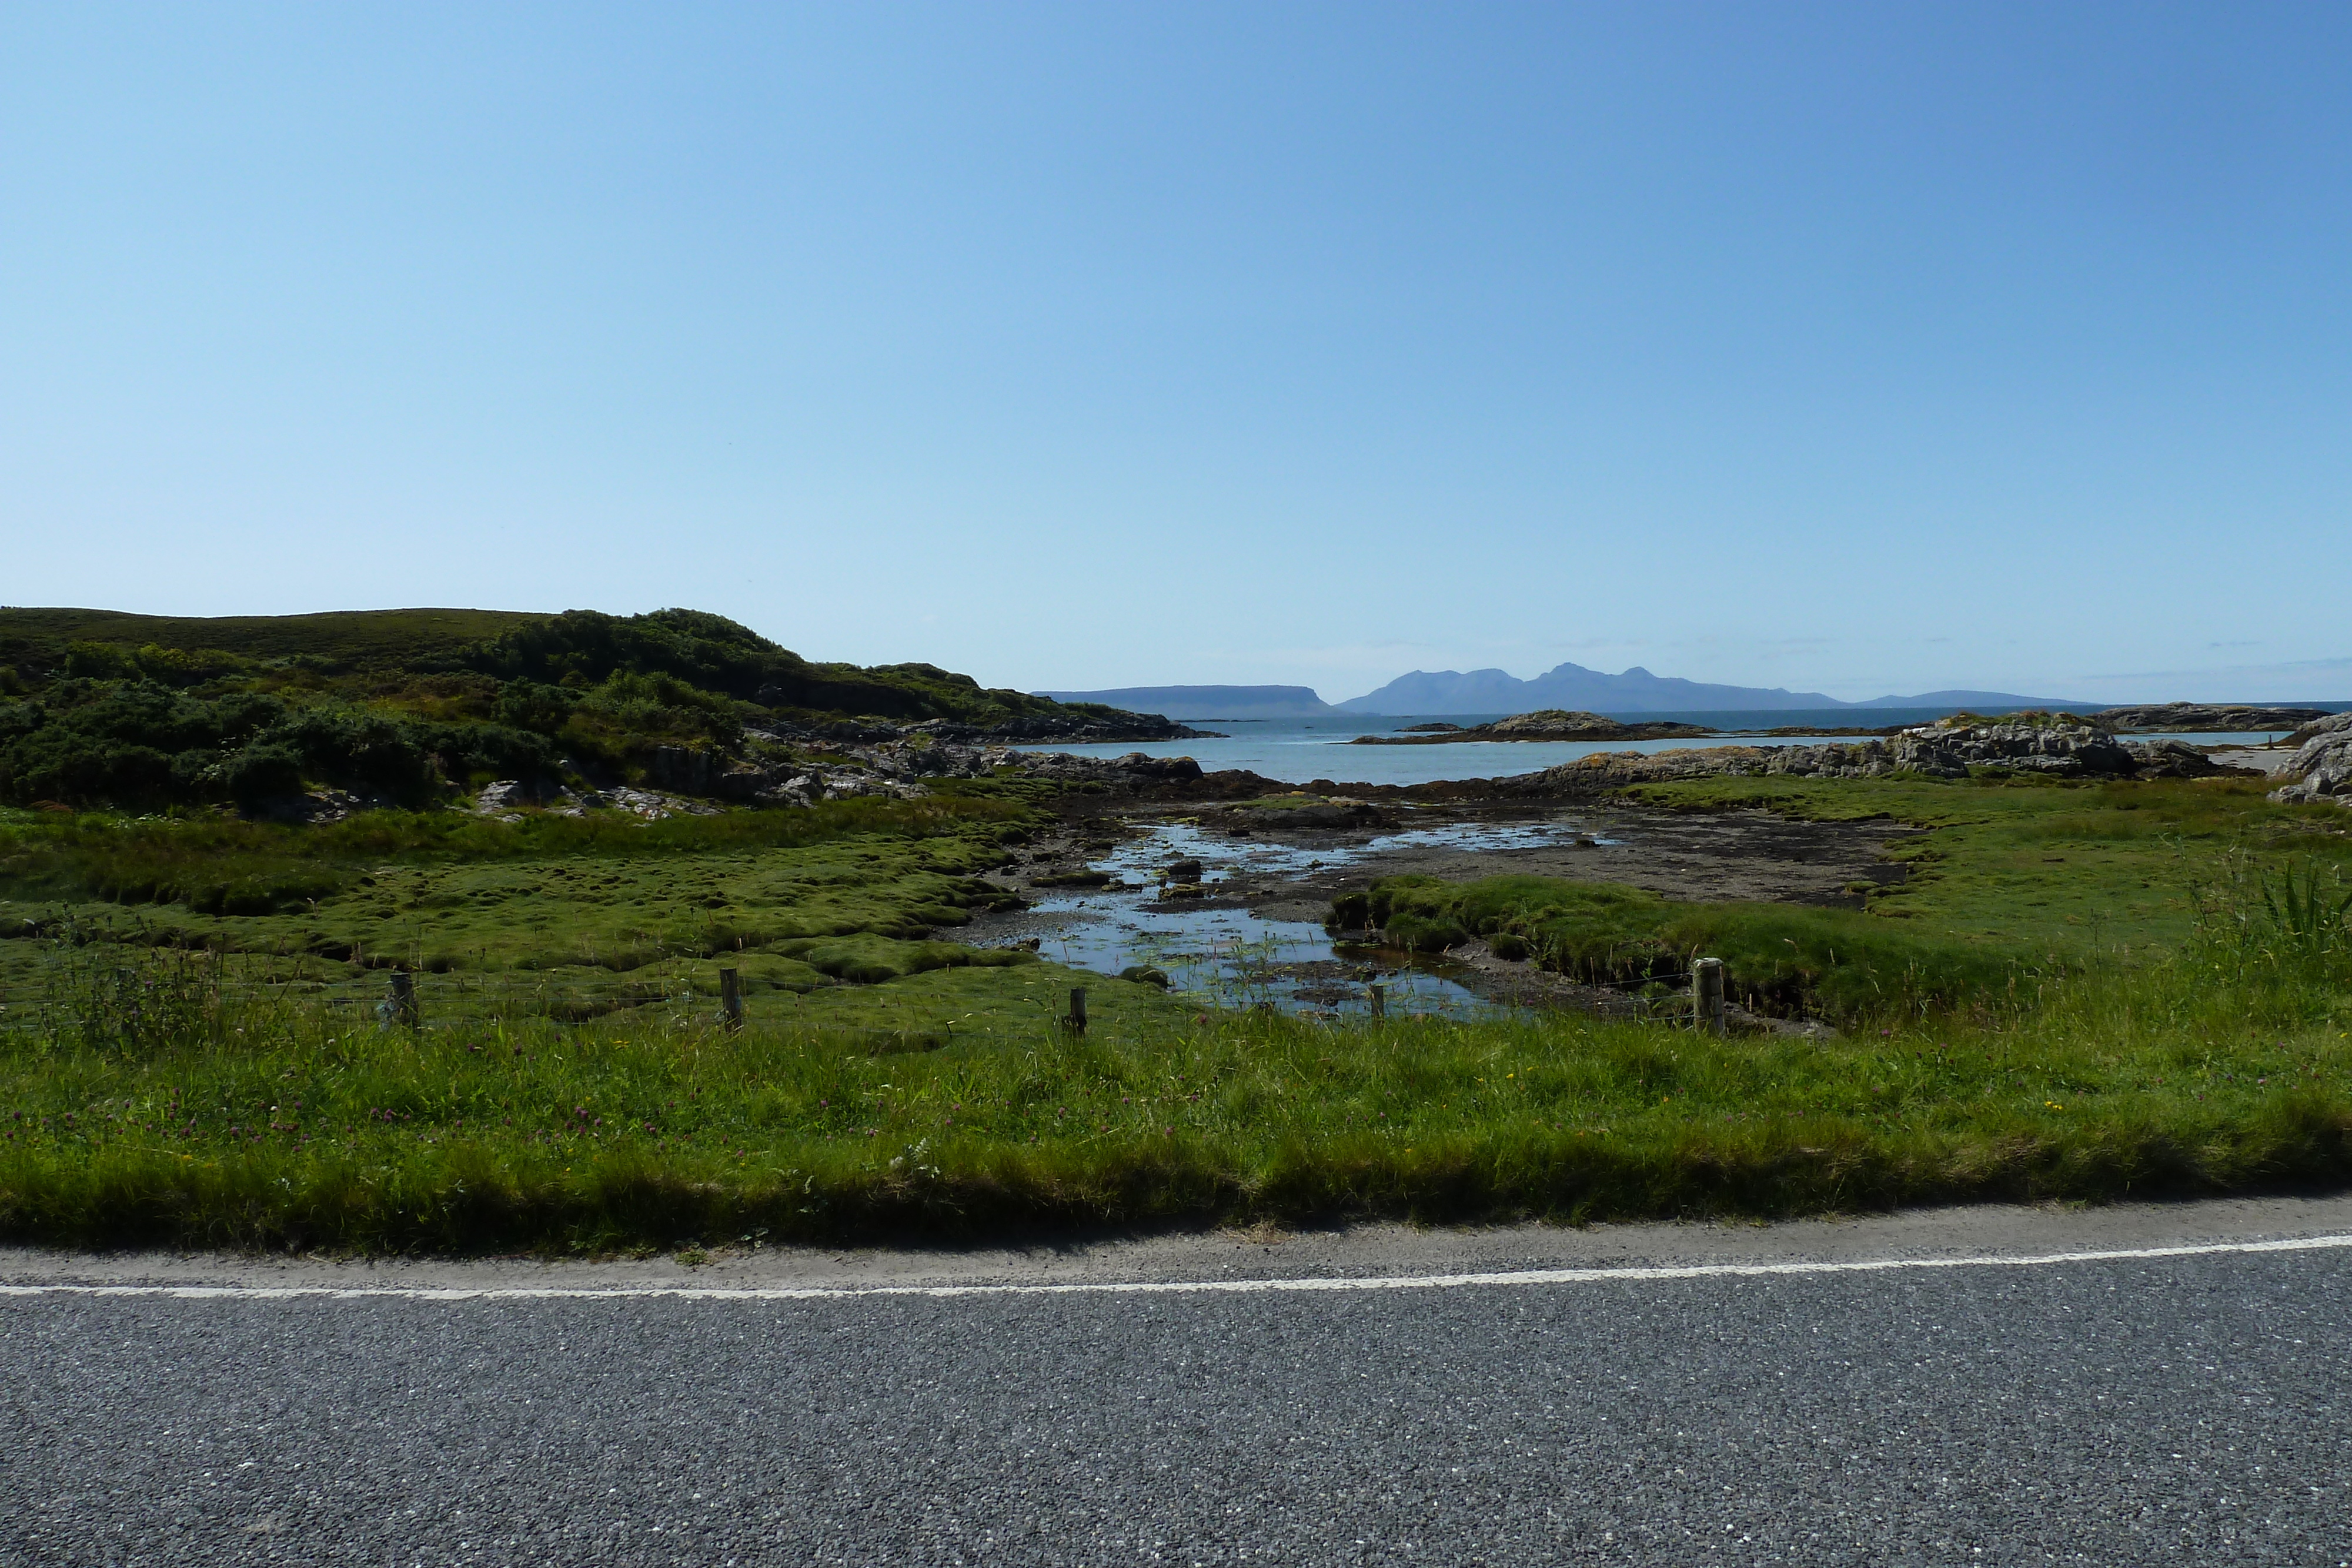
1860 348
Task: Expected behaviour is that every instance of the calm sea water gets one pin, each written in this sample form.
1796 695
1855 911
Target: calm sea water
1299 751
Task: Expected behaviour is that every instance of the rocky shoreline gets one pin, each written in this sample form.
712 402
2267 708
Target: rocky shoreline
2209 717
904 762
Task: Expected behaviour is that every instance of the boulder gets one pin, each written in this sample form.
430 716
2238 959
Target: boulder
2170 759
2322 765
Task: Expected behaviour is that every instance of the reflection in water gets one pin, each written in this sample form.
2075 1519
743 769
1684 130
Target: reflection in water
1236 958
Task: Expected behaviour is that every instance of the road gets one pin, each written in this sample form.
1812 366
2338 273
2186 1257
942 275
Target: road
2139 1406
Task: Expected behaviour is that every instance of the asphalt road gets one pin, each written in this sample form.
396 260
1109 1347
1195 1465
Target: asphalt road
2137 1409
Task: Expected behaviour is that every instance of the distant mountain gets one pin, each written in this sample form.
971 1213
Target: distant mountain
1571 687
1635 691
1206 702
1977 700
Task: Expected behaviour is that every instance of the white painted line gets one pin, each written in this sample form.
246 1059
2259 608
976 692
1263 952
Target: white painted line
1152 1287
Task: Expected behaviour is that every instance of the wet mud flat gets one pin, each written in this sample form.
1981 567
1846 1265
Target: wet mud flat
1228 900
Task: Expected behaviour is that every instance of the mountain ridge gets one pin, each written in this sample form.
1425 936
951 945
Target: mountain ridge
1632 690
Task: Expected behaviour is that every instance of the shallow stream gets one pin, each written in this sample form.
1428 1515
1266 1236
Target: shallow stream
1235 958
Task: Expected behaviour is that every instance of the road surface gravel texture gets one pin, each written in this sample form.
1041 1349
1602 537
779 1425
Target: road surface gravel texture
2130 1408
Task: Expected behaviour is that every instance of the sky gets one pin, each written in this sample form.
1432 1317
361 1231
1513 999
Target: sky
1864 348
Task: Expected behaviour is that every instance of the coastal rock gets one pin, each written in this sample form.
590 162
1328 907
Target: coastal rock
2058 744
2205 716
1303 811
1134 770
1076 729
2324 766
508 796
1546 723
2060 747
2334 724
2170 759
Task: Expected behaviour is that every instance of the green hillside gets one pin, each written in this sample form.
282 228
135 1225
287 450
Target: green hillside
38 640
101 709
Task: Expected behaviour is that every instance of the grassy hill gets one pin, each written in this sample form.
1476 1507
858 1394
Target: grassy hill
98 708
39 640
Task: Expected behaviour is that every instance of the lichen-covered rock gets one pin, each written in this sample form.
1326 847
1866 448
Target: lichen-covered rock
2323 766
2334 723
2204 717
2055 744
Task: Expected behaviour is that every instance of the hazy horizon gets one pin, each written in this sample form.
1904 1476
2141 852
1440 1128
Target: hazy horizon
1848 350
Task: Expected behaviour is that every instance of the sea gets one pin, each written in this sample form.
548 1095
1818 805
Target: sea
1307 750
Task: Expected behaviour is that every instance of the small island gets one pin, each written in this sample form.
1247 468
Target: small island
1544 724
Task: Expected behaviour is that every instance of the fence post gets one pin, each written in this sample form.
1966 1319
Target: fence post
1379 998
404 998
1077 1018
1706 994
731 997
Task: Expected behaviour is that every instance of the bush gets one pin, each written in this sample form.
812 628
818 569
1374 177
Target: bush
136 744
261 772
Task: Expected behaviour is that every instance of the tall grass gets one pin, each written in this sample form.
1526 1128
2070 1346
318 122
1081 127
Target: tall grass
150 1104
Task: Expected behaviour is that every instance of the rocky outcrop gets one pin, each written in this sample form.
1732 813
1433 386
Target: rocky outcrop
2208 718
1133 772
2170 759
1068 729
1548 724
2059 748
1298 808
2322 765
2334 723
2059 745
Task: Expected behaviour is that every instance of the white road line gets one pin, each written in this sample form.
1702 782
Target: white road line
1150 1288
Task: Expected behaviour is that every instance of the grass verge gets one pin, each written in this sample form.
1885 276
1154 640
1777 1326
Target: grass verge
164 1109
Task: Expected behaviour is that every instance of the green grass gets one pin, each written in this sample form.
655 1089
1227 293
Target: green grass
1778 958
2049 867
2180 1027
169 1109
599 915
2015 885
224 865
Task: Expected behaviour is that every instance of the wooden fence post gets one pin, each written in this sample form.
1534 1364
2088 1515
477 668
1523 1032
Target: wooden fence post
1706 994
404 998
1077 1018
731 997
1379 998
